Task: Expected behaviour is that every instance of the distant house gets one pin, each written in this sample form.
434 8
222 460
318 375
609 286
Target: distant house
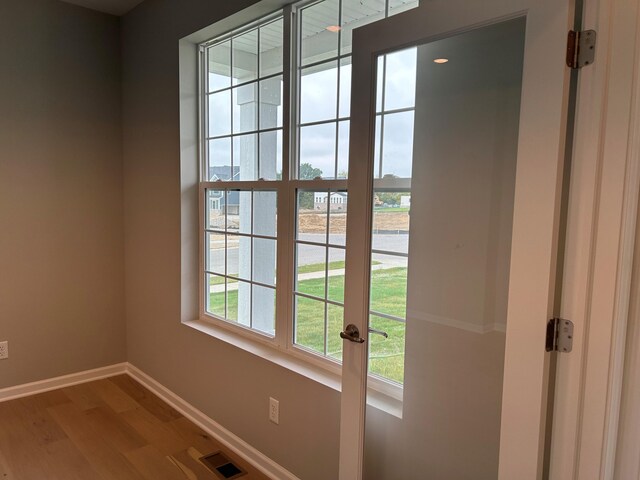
217 200
405 201
336 203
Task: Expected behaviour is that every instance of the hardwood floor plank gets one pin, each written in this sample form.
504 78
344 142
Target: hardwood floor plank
5 471
203 442
146 399
83 396
194 435
114 429
63 461
113 395
153 465
156 433
31 424
105 459
111 429
187 462
42 401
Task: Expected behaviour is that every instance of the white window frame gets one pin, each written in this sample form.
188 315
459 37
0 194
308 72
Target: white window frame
385 394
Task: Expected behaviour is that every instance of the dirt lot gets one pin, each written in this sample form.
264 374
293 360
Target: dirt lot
312 222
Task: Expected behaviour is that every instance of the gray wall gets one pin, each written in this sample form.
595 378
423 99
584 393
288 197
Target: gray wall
228 384
61 228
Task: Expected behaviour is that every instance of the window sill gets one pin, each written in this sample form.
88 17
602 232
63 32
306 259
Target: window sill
386 401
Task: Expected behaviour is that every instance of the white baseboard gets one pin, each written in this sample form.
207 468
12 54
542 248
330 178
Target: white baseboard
217 431
41 386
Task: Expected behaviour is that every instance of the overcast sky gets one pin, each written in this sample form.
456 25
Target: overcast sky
320 98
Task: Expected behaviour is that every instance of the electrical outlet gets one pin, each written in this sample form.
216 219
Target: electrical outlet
4 350
274 410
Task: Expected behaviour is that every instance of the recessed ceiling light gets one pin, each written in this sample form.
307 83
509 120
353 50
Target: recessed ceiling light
440 60
334 28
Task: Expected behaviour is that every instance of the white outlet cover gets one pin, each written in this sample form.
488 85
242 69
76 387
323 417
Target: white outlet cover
274 410
4 350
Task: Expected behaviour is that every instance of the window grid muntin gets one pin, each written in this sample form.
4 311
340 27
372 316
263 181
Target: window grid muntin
290 146
232 88
228 276
340 60
326 245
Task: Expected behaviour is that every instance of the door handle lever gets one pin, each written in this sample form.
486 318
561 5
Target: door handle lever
352 334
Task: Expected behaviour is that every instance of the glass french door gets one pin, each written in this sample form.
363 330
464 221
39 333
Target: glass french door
456 148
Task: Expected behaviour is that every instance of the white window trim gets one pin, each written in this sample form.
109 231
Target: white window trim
382 395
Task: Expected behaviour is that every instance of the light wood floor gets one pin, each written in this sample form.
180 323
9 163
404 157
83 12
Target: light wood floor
112 429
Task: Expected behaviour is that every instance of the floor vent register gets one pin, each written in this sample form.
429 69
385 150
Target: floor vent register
222 466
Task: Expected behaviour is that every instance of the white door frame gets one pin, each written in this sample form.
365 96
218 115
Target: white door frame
627 462
600 245
543 116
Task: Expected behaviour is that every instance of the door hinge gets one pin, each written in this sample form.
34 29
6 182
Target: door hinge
559 335
581 48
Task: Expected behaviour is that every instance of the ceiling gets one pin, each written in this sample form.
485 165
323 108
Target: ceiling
114 7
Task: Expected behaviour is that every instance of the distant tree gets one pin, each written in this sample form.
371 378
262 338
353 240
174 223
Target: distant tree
307 172
390 198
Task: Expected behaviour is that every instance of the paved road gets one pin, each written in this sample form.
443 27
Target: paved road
309 255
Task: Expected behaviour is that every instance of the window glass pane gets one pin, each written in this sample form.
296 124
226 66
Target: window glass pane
245 111
264 261
244 255
219 159
219 66
271 41
215 288
335 275
335 321
386 355
245 157
338 223
271 155
391 221
311 267
345 87
319 31
215 252
400 80
312 216
356 13
271 103
310 324
220 113
319 93
317 151
389 285
377 173
239 211
245 57
264 309
343 149
265 206
215 209
239 302
397 150
379 82
232 252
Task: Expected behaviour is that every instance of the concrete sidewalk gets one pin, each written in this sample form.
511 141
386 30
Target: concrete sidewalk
305 276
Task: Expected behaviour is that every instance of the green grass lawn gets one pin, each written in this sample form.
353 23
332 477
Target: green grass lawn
391 209
311 268
388 288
